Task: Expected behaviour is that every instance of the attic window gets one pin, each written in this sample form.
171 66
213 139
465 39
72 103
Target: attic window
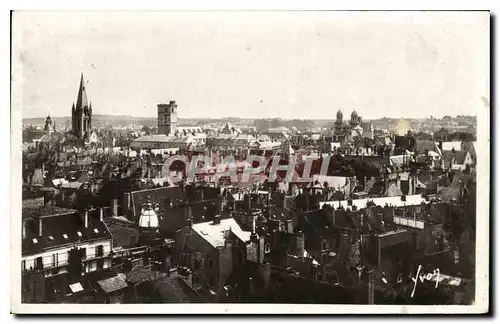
35 240
65 236
51 238
79 233
400 278
96 231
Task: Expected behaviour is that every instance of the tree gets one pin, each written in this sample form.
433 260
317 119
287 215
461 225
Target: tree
423 136
441 135
146 129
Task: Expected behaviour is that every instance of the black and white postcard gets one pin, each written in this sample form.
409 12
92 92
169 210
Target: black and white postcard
250 162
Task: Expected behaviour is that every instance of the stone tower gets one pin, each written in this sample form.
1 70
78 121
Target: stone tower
81 114
167 118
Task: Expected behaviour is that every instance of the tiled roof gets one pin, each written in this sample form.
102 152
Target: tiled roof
140 274
214 233
448 193
173 290
63 230
113 284
35 208
123 233
422 146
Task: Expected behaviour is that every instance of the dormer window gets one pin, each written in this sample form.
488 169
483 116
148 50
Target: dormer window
65 236
96 231
35 241
400 278
79 233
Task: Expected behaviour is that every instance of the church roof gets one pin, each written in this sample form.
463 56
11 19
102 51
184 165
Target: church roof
82 100
52 137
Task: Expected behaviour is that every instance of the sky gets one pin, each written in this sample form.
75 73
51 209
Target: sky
305 65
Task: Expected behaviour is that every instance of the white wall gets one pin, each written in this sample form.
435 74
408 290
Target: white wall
61 254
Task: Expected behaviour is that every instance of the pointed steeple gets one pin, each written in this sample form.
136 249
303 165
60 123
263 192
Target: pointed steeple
82 102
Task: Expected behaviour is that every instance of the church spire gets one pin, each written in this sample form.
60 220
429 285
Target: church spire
82 102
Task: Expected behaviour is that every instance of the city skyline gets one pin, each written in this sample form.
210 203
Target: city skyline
214 65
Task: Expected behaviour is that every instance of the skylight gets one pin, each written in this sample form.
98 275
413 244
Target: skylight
65 236
35 240
96 231
203 232
51 238
79 233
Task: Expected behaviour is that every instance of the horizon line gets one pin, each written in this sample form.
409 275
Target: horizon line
255 118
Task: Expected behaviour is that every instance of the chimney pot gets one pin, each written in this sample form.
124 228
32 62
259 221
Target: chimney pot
86 218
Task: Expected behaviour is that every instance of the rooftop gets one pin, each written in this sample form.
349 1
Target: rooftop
35 208
410 200
214 233
63 232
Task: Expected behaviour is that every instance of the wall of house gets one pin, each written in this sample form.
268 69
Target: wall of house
224 265
59 257
197 255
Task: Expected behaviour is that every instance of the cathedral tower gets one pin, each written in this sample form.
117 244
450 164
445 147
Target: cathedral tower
167 118
81 114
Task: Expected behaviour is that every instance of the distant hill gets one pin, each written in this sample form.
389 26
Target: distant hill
115 120
101 120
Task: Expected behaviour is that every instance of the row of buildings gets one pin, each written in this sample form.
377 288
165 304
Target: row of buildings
108 224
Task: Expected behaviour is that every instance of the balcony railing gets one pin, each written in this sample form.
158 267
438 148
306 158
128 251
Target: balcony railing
92 256
52 265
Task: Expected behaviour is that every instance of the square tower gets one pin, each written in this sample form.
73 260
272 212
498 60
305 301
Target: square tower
167 118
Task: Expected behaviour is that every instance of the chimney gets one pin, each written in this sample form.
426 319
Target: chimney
289 226
40 232
216 219
300 244
114 207
85 217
